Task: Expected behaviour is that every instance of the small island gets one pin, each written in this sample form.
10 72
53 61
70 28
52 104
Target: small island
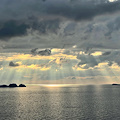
13 85
115 84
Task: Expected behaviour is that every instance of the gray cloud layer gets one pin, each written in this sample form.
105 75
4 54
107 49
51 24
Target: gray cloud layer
83 11
44 15
77 9
35 23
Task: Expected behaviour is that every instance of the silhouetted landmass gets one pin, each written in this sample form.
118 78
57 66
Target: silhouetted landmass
12 85
3 86
115 84
22 85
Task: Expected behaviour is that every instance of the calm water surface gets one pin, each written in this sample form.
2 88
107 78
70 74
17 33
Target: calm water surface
60 103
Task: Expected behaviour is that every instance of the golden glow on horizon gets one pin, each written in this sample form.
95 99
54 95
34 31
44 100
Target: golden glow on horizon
37 57
57 85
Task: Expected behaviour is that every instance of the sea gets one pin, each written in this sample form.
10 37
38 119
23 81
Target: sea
74 102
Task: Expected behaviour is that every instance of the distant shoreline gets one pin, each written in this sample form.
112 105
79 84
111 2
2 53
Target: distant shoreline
12 85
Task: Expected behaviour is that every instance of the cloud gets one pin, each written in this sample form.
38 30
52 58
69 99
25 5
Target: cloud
106 53
113 26
41 67
109 59
61 67
13 28
84 61
1 68
37 51
21 56
58 62
83 10
43 63
76 10
79 61
13 64
88 34
46 16
54 64
97 53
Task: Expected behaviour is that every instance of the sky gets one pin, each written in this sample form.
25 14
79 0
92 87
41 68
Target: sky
82 37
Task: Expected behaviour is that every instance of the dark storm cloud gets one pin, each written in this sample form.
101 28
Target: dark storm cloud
46 25
12 28
39 22
28 13
80 10
83 11
75 10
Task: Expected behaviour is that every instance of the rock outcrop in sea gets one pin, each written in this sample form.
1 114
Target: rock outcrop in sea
12 85
22 85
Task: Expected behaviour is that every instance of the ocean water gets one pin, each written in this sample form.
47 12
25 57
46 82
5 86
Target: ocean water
60 103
